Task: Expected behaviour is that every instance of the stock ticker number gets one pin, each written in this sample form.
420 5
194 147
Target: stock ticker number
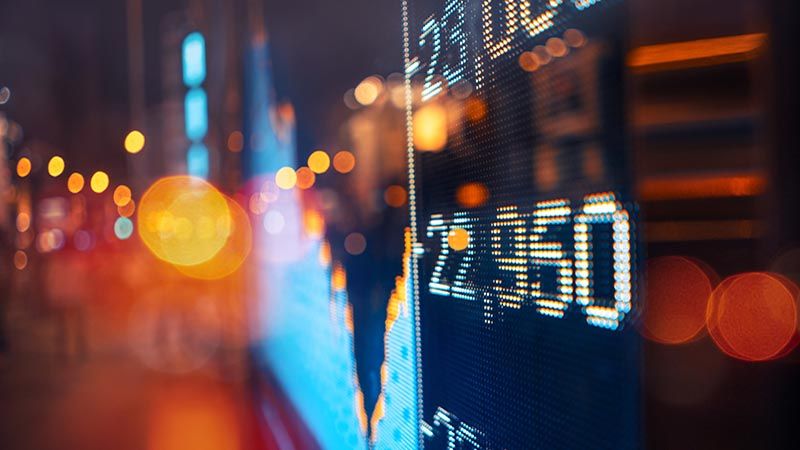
549 257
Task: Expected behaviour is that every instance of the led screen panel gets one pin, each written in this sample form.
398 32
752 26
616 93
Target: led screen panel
524 224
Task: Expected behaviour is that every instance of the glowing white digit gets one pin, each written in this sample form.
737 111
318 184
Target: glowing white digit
450 279
517 13
551 258
603 209
432 36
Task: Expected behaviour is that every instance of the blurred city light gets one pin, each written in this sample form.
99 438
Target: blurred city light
5 95
99 182
55 166
368 90
134 142
274 222
677 296
458 239
472 195
236 141
753 316
127 209
20 260
122 195
184 220
344 161
197 161
319 161
194 59
123 228
232 255
355 244
75 182
23 167
304 178
286 178
430 128
23 222
395 196
196 114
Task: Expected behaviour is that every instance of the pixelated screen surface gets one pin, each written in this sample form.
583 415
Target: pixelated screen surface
525 226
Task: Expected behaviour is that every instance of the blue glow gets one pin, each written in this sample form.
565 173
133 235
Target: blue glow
197 164
196 114
194 59
123 228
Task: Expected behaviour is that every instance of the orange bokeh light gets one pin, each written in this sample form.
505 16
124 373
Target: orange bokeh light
228 260
677 296
235 142
395 196
122 195
24 167
127 209
344 162
753 316
305 178
472 195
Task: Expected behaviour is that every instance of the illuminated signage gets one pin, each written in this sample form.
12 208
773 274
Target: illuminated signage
525 288
443 38
195 105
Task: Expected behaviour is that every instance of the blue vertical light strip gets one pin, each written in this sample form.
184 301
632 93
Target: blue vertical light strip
195 112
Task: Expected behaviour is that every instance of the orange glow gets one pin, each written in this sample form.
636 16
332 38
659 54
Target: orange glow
235 142
368 90
430 128
305 178
472 195
23 222
753 316
228 260
313 223
395 196
556 47
574 38
99 182
528 62
701 230
673 188
286 178
697 53
20 260
475 109
325 254
75 183
344 162
338 278
127 209
56 166
678 290
196 417
23 167
458 239
134 142
122 195
355 243
319 161
184 220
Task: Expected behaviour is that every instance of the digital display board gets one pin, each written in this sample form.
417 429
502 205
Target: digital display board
524 224
508 325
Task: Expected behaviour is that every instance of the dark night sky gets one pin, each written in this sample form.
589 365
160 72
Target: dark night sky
66 64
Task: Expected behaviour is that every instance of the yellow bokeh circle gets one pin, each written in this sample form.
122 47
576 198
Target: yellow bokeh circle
184 220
